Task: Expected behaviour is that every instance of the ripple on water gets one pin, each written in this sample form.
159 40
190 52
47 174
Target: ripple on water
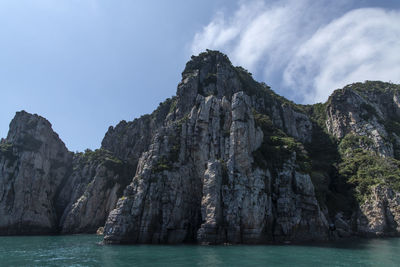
83 250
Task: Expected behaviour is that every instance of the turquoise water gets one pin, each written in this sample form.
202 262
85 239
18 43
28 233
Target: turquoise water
82 250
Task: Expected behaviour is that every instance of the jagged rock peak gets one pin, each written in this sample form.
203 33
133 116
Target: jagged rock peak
26 126
24 121
201 177
210 73
44 188
368 109
210 57
34 163
225 160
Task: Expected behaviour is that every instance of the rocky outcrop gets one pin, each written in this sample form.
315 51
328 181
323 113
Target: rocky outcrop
364 113
365 118
224 161
92 191
380 214
34 165
198 183
46 189
128 140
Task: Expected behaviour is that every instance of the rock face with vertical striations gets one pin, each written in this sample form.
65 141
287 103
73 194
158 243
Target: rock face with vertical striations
45 189
93 188
200 181
226 160
34 165
366 120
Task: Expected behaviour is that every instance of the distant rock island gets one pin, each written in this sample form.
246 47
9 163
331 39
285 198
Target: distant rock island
224 161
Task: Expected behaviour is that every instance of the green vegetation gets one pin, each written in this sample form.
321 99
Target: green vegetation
352 142
6 148
364 169
114 164
277 147
164 108
102 156
197 62
263 91
317 113
172 107
373 87
344 173
162 164
122 169
7 151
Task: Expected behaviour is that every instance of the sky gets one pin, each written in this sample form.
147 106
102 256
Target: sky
87 64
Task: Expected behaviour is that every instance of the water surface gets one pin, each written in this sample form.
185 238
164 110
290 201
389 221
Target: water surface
82 250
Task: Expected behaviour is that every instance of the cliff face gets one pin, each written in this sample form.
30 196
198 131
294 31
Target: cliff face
34 165
45 189
91 192
366 118
380 213
199 180
224 161
366 111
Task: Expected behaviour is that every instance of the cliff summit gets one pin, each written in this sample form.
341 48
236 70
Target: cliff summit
226 160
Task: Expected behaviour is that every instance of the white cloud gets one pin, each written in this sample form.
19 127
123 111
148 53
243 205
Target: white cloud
309 48
363 44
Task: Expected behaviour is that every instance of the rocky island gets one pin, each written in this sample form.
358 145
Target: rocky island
226 160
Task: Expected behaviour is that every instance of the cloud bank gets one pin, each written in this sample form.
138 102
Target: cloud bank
308 49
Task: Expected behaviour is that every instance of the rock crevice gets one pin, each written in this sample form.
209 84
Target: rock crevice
226 160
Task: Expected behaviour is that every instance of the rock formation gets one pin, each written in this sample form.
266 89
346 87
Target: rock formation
34 166
92 190
224 161
198 180
46 189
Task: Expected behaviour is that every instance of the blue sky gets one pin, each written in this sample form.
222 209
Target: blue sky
87 64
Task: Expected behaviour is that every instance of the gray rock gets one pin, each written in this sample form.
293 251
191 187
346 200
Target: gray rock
197 181
380 214
351 112
92 191
31 175
225 161
45 189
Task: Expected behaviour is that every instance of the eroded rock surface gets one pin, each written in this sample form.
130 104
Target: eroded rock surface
92 191
380 214
226 160
46 189
198 181
34 165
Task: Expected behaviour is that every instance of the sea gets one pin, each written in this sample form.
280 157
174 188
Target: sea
85 250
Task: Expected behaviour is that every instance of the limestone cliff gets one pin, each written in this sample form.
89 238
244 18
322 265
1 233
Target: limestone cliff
91 192
226 160
365 117
199 180
46 189
34 166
